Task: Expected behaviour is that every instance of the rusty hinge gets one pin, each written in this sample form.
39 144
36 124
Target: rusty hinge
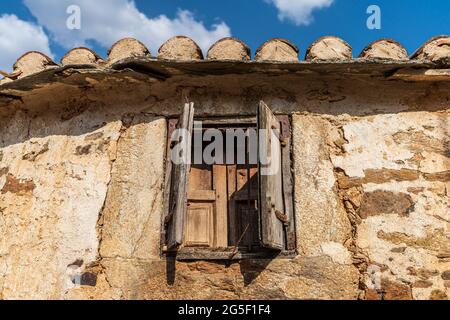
168 218
163 241
283 217
291 240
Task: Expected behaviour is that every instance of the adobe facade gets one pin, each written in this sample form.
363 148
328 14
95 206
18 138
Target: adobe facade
83 149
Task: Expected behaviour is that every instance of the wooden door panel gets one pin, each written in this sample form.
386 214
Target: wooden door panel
232 210
199 225
202 195
271 201
176 219
221 214
200 178
253 183
248 224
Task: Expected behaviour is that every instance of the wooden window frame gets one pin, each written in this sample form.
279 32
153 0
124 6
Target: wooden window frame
230 253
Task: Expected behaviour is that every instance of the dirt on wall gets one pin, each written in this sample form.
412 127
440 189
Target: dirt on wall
82 185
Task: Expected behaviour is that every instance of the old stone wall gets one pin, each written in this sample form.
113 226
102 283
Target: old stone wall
74 192
82 192
390 175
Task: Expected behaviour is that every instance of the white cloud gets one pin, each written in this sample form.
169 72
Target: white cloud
107 21
17 37
299 11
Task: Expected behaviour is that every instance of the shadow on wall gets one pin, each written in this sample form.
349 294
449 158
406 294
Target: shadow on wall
82 118
243 239
171 270
250 269
56 109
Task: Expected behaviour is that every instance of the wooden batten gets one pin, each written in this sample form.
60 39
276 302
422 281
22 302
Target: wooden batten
417 75
221 223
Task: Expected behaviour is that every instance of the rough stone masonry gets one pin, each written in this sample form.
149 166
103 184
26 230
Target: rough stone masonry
82 170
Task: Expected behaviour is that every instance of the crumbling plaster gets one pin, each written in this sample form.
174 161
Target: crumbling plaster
82 171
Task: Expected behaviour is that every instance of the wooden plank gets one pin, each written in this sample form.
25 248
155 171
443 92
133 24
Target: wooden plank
271 182
248 222
202 195
228 121
200 178
232 214
241 178
418 75
179 184
244 196
230 254
253 182
220 187
288 184
172 124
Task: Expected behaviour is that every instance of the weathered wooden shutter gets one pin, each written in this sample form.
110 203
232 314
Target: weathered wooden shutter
273 217
179 177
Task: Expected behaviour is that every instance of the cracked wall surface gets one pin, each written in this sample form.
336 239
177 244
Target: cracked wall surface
82 191
70 200
52 191
395 172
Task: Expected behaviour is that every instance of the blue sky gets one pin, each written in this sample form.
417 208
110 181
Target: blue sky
41 24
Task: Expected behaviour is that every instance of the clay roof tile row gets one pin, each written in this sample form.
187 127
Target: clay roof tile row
180 48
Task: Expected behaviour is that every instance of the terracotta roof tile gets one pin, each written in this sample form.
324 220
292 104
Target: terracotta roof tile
329 48
180 48
387 49
32 62
278 50
81 55
127 48
183 49
437 49
229 49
